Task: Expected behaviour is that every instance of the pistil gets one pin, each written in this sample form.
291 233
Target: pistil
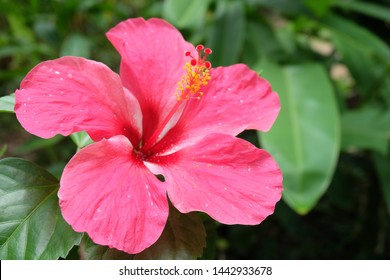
197 76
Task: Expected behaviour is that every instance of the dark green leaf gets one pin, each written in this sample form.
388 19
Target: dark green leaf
366 8
383 166
227 34
36 143
185 13
319 7
366 55
366 128
283 6
31 225
305 138
261 43
183 238
7 103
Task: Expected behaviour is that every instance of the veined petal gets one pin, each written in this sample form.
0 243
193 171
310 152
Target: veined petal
113 197
71 94
235 99
153 59
226 177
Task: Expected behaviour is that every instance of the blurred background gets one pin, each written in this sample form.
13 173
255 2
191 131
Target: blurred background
329 60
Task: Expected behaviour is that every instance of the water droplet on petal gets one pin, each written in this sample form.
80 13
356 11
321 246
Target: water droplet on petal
57 72
70 76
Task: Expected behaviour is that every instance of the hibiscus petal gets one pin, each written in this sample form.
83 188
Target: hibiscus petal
108 193
235 99
71 94
226 177
153 59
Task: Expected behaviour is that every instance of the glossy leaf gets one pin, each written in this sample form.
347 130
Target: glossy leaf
227 34
366 128
31 225
185 13
305 138
7 103
183 238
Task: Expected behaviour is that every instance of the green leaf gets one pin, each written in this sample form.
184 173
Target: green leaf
31 225
260 43
383 166
227 34
3 150
76 45
366 128
7 103
305 138
366 55
366 8
185 13
319 7
81 139
183 238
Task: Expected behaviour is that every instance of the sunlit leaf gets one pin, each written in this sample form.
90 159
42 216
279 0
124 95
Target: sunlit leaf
7 103
305 138
3 150
31 225
366 128
81 139
183 238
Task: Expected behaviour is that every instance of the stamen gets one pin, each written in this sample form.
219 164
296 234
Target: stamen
198 75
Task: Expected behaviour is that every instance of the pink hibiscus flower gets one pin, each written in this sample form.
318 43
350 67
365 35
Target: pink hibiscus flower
167 113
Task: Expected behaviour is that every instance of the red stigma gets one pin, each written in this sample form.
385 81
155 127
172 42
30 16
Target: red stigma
199 48
202 55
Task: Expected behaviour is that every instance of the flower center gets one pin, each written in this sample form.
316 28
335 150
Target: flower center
197 76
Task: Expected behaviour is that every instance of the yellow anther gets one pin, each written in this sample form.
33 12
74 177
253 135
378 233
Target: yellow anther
197 76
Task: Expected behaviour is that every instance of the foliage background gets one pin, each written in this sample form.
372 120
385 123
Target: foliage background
330 62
